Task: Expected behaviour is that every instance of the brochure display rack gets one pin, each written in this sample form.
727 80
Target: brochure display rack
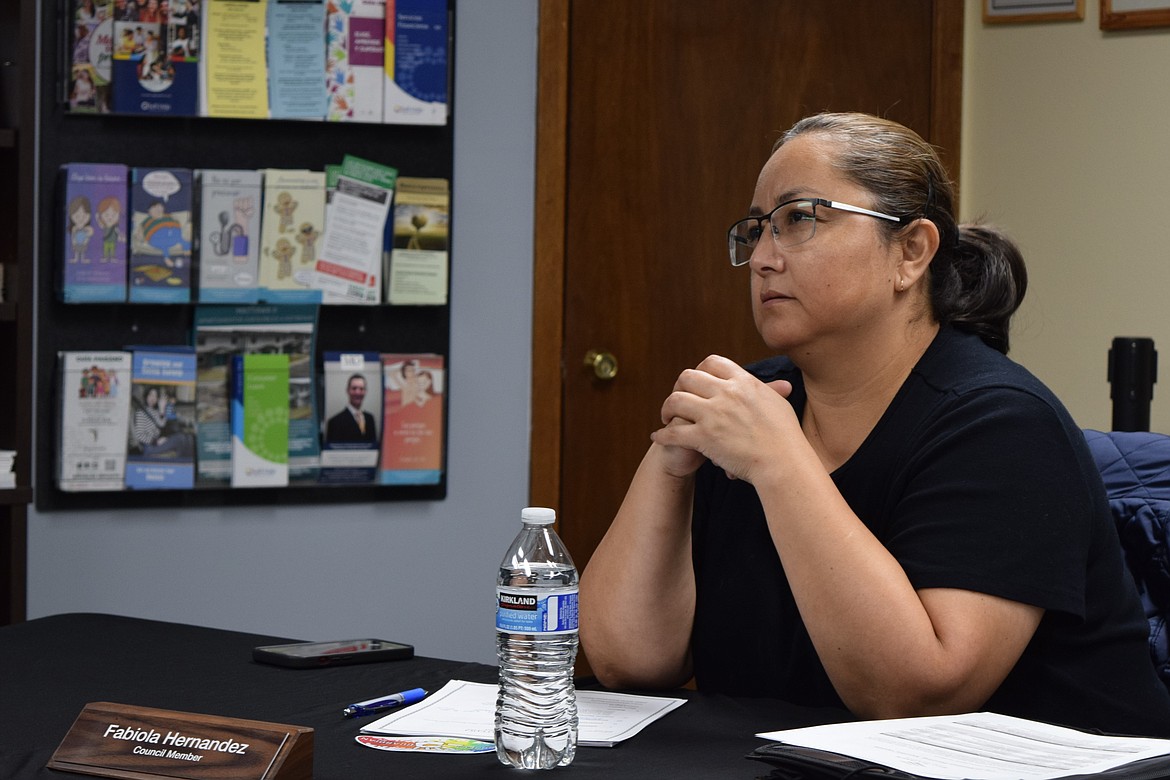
213 144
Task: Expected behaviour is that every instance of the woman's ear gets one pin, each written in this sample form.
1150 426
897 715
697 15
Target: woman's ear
919 242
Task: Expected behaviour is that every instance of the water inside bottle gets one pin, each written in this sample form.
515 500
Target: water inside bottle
536 722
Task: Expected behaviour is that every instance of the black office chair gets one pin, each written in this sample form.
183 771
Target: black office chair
1135 466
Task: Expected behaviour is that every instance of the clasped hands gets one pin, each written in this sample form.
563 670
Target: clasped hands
719 411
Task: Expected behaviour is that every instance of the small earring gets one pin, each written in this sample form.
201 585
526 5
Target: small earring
901 284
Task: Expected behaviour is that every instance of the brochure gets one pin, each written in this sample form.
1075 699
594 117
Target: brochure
412 439
290 234
355 42
259 420
95 233
236 83
348 268
161 430
92 53
156 59
296 59
416 62
95 408
160 235
418 259
353 416
222 332
229 235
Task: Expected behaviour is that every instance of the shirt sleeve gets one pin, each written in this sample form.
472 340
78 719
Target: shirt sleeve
996 500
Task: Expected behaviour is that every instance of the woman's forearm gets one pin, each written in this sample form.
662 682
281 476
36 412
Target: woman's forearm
638 591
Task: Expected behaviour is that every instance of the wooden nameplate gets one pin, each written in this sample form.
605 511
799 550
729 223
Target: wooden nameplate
141 743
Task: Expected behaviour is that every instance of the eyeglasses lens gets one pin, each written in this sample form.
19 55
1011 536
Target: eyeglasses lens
789 224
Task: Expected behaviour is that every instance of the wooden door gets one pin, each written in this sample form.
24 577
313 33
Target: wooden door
654 117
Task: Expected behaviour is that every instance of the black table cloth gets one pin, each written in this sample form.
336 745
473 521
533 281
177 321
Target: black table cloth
50 668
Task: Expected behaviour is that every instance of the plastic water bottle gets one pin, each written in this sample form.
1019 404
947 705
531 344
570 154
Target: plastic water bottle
536 631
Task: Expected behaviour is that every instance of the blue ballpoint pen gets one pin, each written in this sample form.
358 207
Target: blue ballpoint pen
384 703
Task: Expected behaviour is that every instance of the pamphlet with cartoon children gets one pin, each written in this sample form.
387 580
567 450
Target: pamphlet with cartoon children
95 233
160 235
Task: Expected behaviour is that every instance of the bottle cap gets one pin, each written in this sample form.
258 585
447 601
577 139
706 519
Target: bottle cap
538 515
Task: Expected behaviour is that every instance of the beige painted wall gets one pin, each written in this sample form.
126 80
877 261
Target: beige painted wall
1066 144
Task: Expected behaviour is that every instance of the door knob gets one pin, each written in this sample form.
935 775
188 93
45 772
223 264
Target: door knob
604 364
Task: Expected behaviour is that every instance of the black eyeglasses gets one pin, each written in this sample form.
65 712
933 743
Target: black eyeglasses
792 222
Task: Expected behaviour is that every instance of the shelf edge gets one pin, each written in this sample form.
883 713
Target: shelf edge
16 496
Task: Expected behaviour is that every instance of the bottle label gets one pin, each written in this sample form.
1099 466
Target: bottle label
520 611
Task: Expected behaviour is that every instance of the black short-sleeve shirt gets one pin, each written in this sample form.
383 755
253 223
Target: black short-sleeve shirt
975 478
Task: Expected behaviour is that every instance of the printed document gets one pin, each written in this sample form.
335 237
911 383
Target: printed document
236 83
467 709
975 746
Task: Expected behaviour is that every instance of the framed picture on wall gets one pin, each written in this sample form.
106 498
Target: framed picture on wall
1134 14
1012 11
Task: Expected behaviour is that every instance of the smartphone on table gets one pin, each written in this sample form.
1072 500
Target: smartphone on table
310 655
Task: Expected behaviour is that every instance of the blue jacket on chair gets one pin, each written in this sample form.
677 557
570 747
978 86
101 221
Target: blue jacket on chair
1135 467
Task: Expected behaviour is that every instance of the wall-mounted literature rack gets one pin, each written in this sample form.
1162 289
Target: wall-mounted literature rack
204 143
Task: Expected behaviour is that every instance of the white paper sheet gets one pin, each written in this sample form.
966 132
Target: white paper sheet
976 746
467 709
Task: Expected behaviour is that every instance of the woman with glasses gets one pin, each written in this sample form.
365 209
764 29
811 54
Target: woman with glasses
891 516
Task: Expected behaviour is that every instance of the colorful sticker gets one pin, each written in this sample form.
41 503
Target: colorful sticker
426 744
